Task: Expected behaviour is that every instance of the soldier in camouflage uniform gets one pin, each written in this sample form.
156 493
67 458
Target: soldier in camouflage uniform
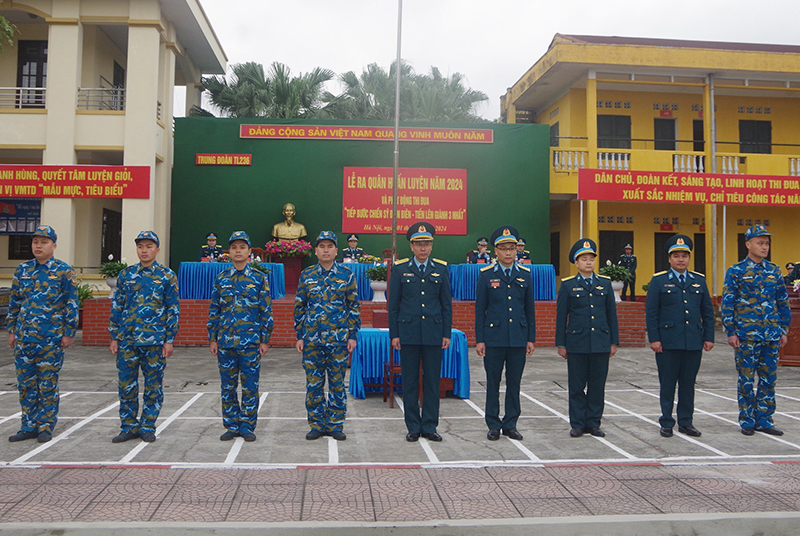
327 320
42 320
239 327
756 316
143 326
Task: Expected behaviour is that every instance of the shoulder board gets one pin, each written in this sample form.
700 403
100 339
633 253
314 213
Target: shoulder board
474 251
567 278
523 267
660 273
526 251
487 267
697 273
602 276
440 261
400 261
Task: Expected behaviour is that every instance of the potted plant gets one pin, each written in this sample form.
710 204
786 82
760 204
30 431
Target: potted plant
618 275
85 292
256 265
111 270
377 276
369 259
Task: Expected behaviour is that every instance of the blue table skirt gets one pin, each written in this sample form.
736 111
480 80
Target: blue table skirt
373 347
359 269
464 280
196 279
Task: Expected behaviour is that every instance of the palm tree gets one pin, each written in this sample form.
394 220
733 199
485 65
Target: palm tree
253 93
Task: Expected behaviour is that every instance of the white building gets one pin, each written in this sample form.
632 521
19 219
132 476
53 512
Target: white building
92 82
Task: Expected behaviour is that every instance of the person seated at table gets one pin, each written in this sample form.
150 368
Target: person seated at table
353 252
523 255
480 255
789 272
211 250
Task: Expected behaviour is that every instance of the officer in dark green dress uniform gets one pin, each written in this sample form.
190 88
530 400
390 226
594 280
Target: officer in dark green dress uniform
353 251
505 330
211 249
522 253
680 325
420 323
480 255
587 335
628 260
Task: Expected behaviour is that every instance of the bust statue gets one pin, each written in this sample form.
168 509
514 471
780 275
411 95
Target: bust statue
289 229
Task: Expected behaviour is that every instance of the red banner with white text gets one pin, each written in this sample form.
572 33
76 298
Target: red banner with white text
120 182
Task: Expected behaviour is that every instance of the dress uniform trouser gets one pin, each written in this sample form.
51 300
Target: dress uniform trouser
625 284
681 367
37 366
756 409
325 414
150 359
493 362
587 375
411 355
233 363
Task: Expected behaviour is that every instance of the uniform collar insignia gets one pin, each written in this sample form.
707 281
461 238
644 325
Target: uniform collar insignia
695 284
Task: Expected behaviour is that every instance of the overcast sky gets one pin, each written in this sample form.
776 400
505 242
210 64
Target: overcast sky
491 42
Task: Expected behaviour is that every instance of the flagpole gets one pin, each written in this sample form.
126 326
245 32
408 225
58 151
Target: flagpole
396 130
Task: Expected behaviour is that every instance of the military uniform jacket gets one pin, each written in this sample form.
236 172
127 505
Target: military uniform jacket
504 307
240 313
629 262
420 307
43 306
326 307
523 255
146 306
586 315
475 256
206 251
354 254
681 318
755 304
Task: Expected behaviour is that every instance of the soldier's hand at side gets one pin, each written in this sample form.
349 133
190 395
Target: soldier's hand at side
480 349
708 345
733 340
299 345
529 348
351 345
784 340
562 351
167 349
656 347
263 348
613 350
66 342
445 343
396 343
113 347
11 339
213 347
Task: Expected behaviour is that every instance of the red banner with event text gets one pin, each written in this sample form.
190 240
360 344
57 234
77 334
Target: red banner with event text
333 132
438 196
120 182
684 187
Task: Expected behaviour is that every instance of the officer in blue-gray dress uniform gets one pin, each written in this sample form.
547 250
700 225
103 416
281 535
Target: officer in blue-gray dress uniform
211 250
680 325
480 255
587 335
353 251
420 325
628 260
505 330
522 253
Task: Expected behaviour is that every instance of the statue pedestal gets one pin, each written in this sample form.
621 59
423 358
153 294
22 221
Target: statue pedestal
292 266
790 354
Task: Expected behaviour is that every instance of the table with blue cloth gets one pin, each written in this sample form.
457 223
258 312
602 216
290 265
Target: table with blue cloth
464 280
373 349
196 279
359 269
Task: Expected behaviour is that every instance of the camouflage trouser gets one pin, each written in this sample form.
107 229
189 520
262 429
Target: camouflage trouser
326 415
756 408
233 363
37 367
129 359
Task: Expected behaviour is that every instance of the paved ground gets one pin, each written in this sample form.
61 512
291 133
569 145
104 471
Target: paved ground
376 479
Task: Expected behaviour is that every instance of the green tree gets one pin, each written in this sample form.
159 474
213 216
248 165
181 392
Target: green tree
7 31
250 92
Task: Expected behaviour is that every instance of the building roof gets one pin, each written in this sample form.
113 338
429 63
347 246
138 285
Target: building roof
196 34
674 43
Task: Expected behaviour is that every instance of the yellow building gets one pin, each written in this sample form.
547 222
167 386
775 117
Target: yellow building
631 106
91 82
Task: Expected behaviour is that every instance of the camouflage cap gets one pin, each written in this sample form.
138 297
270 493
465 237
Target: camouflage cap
147 235
47 232
756 230
326 235
239 235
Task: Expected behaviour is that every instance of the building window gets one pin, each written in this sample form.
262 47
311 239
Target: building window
554 134
766 222
656 220
740 222
695 221
614 131
601 219
627 105
664 134
19 247
629 219
675 221
755 136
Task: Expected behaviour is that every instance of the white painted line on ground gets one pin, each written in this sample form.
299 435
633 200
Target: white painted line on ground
428 450
261 399
474 406
66 434
682 436
564 418
333 451
6 419
238 443
525 450
138 448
